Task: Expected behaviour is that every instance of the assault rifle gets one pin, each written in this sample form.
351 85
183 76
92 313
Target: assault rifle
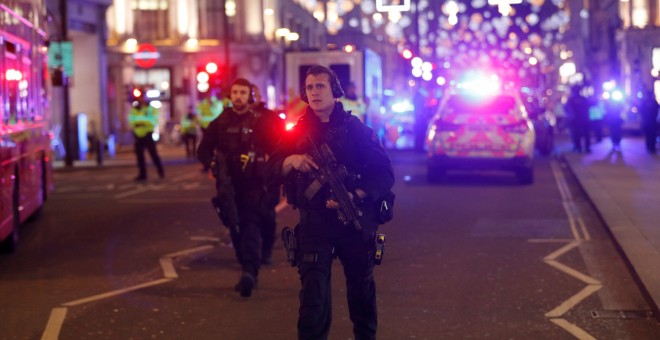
224 202
332 173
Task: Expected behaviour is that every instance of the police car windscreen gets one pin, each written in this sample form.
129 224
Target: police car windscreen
497 105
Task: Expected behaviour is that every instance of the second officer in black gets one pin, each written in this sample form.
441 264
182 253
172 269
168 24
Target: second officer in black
321 235
244 137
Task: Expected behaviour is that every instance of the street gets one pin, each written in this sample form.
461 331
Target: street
476 256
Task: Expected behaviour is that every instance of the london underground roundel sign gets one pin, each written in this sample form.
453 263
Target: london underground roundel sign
146 55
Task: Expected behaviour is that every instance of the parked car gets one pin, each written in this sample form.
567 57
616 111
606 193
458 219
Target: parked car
475 129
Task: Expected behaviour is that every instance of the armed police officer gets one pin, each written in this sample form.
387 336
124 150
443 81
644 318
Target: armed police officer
236 146
328 228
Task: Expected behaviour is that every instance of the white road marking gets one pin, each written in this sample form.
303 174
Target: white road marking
574 273
583 227
550 240
572 301
205 238
573 329
115 292
184 177
190 251
577 226
555 254
168 268
190 186
132 192
58 314
54 324
561 182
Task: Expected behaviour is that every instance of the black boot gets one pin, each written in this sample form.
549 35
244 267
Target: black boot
247 283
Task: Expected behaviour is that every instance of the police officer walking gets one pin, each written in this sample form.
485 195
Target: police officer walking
143 119
321 234
241 139
189 125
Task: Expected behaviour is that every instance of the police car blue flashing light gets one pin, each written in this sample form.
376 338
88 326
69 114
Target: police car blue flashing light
614 95
479 85
617 95
403 106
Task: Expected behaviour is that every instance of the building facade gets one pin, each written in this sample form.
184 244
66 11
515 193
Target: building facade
162 44
639 45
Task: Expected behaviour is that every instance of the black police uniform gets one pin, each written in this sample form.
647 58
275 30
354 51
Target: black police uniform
245 140
321 235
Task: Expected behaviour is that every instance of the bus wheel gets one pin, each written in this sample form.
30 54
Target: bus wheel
8 245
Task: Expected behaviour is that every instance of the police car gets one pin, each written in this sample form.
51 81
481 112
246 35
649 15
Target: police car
480 124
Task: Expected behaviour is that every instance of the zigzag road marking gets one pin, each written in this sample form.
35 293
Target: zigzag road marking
593 285
58 314
573 329
572 301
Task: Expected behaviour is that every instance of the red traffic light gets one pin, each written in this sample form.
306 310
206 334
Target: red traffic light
137 93
211 67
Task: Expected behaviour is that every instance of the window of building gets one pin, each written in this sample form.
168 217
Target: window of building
624 13
640 13
210 20
151 19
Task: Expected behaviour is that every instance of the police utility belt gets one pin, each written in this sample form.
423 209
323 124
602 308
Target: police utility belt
295 257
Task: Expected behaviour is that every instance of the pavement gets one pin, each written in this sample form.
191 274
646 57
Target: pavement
624 186
124 156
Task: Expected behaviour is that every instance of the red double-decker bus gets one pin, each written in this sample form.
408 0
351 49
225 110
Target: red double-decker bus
25 161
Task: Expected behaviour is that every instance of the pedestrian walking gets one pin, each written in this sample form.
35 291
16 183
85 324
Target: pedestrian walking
648 110
236 146
613 111
143 119
322 233
596 117
577 111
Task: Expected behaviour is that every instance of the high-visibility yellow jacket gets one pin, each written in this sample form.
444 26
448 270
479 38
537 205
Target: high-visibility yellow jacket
208 110
357 107
189 125
143 120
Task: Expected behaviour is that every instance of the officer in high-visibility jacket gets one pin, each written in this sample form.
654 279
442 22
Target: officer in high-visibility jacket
208 109
354 104
143 119
189 126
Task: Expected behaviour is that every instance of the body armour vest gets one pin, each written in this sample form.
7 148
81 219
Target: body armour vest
240 145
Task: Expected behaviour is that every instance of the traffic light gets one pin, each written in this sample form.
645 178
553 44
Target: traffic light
135 94
209 78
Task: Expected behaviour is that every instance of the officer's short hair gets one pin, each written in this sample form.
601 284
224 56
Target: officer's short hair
244 82
337 91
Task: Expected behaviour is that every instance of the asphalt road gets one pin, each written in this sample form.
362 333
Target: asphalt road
475 257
